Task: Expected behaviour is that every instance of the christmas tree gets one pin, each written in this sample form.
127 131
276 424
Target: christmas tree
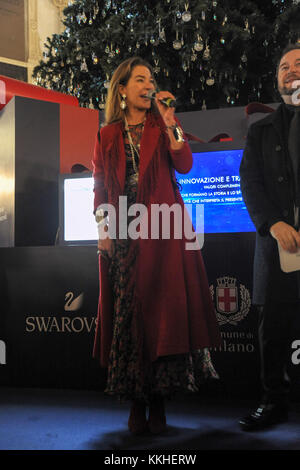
209 53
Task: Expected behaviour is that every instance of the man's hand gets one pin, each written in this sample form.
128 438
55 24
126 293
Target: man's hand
287 237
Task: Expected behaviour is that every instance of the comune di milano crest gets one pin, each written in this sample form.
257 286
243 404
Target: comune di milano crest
232 305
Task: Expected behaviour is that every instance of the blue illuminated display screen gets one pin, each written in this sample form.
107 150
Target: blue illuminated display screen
214 182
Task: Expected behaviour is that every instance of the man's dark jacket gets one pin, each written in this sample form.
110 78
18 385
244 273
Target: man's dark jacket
268 192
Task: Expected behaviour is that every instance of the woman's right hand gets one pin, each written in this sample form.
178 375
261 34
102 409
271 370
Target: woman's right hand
106 246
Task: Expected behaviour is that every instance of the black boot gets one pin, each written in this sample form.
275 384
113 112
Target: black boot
264 416
137 422
157 419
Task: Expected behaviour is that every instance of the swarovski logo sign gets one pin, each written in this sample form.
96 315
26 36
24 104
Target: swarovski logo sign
62 323
2 352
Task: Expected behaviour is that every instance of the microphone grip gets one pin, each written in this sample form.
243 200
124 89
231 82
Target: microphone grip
169 102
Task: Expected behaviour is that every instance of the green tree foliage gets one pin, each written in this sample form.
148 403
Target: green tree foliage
209 53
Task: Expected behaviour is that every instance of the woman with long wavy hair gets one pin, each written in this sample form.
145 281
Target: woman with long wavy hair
156 319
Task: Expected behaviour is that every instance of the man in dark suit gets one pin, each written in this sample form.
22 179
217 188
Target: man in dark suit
269 174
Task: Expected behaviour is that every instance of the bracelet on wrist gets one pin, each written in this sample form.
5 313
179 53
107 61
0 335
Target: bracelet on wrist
177 132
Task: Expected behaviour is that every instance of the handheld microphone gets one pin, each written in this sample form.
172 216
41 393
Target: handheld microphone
169 102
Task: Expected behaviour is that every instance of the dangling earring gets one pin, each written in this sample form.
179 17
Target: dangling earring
123 102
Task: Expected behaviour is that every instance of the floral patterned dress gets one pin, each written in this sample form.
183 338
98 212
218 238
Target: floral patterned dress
128 377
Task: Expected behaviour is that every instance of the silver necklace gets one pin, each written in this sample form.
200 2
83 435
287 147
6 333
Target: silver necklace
132 147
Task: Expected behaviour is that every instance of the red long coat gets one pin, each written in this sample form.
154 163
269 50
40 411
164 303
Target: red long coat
170 282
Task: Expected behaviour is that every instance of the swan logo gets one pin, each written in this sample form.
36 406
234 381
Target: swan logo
72 305
2 353
62 323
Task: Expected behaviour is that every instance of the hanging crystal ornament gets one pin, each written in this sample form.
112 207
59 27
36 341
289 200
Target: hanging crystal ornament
96 11
187 15
107 49
84 18
94 58
203 16
206 53
204 105
193 101
137 45
156 68
178 15
106 83
162 35
244 58
176 42
102 102
161 31
214 3
152 40
199 44
225 20
83 67
222 40
111 52
184 66
90 21
178 85
215 17
247 26
210 81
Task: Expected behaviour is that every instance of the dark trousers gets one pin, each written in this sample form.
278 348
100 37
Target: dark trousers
275 334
